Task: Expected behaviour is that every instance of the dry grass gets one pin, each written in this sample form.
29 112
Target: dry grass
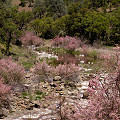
26 8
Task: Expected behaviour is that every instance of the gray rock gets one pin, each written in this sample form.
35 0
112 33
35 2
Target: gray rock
28 75
3 112
85 95
57 78
58 89
72 85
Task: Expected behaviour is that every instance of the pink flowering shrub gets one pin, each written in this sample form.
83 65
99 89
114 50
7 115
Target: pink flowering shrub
117 54
111 60
104 100
67 58
43 69
69 43
84 50
4 89
65 70
29 38
107 60
11 72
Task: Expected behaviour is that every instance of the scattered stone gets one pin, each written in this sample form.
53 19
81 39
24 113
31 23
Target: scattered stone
45 105
82 55
30 106
58 89
72 85
79 85
82 62
45 55
85 95
53 85
28 75
57 78
3 112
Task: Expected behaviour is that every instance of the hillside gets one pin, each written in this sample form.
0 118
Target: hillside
60 60
26 8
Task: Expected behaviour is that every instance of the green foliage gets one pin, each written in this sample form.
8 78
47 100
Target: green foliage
115 2
44 27
94 20
69 24
23 3
95 25
74 7
24 94
28 64
54 50
39 9
30 2
114 29
56 8
11 30
22 18
39 95
12 23
60 25
5 3
49 8
93 55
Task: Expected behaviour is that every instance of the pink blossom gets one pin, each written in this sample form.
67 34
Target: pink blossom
29 38
11 72
65 70
4 89
69 43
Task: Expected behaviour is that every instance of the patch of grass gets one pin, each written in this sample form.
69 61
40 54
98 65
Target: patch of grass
23 56
30 97
2 49
52 50
28 64
39 95
50 61
38 98
24 94
59 50
76 52
93 54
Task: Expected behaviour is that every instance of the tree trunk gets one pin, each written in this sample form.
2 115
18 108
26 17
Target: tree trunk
8 44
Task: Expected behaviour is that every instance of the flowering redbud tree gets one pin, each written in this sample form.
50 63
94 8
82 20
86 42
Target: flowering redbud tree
84 50
69 43
4 89
29 38
111 60
104 100
43 69
11 72
66 71
117 54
